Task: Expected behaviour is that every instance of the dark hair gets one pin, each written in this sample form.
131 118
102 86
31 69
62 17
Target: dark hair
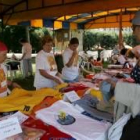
74 40
123 51
47 39
22 40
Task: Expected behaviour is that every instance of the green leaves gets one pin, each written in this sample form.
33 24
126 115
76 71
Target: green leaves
12 34
106 39
102 39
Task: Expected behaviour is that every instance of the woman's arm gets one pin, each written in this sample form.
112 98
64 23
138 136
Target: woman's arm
46 75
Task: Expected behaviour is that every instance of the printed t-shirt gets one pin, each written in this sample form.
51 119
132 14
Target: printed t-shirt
45 61
3 81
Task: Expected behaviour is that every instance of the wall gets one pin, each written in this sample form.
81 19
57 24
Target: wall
62 37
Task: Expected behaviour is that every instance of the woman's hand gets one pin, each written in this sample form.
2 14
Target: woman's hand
57 81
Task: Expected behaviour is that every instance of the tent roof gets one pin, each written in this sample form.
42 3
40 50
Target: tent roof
68 13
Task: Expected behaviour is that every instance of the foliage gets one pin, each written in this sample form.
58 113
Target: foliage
130 39
89 40
12 34
36 35
106 40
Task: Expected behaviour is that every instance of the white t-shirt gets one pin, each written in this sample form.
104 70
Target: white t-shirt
136 49
45 61
84 128
121 59
70 73
27 49
3 81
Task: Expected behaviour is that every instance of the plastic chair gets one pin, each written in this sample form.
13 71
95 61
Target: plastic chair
12 68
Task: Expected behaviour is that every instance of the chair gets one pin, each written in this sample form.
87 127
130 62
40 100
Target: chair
12 68
88 67
84 62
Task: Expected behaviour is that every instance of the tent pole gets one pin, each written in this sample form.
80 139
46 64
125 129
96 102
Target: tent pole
120 32
2 26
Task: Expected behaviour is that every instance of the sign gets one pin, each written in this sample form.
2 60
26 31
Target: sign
21 117
9 127
71 96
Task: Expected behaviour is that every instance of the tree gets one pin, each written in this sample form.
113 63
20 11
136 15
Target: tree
36 35
103 39
108 41
11 35
87 40
130 39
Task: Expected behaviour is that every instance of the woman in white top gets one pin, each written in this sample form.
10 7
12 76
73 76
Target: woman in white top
46 68
26 62
70 72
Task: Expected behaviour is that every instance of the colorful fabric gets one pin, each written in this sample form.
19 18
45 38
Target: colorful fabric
97 94
24 100
51 133
48 101
74 87
83 128
107 89
88 104
60 86
81 93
